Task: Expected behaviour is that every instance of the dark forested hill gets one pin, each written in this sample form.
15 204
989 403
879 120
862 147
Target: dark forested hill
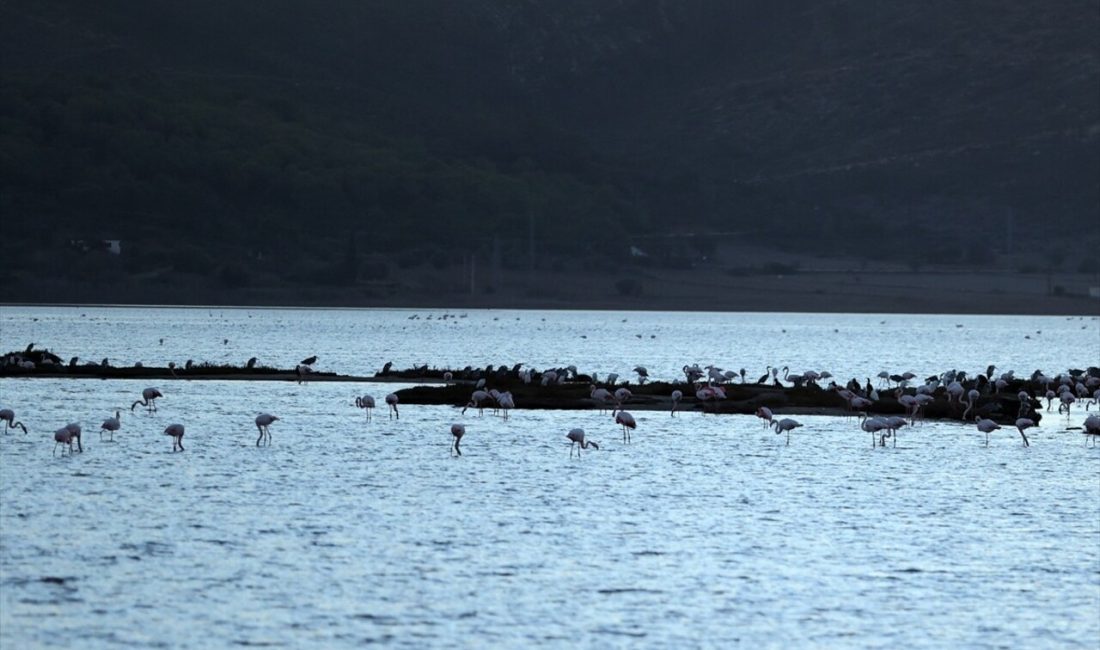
325 142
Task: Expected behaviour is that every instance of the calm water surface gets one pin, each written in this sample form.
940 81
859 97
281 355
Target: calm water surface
703 531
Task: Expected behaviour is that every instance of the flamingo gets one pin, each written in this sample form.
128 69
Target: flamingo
148 399
765 414
893 423
1067 400
1092 428
8 416
477 400
576 436
786 424
176 431
621 395
111 425
1024 423
872 426
971 396
627 420
74 432
457 431
366 403
391 399
643 374
506 402
600 395
677 395
986 426
63 437
263 421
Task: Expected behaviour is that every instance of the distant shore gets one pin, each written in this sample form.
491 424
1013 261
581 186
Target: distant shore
824 291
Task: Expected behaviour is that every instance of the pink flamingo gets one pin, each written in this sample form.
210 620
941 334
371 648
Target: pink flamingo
1092 429
63 437
677 395
366 403
74 432
477 400
391 400
176 431
786 424
621 395
148 399
263 421
8 416
1024 423
627 420
986 426
457 431
111 425
765 414
576 436
600 395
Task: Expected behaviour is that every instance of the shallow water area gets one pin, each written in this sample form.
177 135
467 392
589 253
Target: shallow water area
702 530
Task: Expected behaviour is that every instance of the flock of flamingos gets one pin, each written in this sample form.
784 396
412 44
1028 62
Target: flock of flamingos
1067 388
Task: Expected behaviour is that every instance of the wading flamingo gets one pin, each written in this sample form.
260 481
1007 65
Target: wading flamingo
627 420
176 431
74 431
62 437
765 414
148 399
677 395
391 400
111 425
457 431
986 426
1024 423
786 424
263 422
576 436
366 403
8 416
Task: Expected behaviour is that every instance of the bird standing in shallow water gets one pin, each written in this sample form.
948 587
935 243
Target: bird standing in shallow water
62 437
391 400
577 438
786 424
1092 429
986 426
111 425
1024 423
148 399
366 403
176 431
457 431
8 416
263 422
628 422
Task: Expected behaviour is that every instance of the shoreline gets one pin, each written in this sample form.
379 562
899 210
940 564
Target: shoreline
533 307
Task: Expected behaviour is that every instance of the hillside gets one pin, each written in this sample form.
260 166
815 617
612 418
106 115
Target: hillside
292 145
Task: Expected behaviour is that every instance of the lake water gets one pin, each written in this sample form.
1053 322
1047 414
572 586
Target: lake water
704 531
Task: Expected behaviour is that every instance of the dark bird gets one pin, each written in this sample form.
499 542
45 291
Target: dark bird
251 363
309 361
